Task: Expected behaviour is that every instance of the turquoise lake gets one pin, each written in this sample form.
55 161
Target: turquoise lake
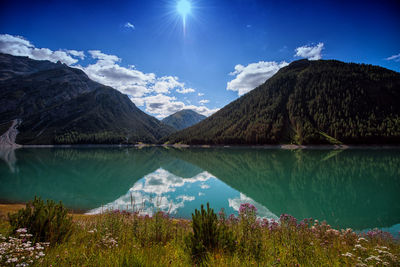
355 188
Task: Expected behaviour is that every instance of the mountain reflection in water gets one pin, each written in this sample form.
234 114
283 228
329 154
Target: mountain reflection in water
355 188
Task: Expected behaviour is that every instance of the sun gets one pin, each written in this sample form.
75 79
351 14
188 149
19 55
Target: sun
183 7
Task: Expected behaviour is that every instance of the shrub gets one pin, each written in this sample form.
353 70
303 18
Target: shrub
205 233
209 234
47 222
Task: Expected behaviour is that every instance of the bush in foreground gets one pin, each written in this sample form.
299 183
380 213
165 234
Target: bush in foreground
46 221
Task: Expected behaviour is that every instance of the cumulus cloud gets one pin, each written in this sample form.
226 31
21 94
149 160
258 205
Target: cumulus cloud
262 211
250 76
129 25
204 101
310 52
75 53
157 191
106 70
185 90
164 84
144 89
394 58
18 46
164 105
200 94
204 186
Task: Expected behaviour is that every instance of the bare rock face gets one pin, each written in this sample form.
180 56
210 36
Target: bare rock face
7 139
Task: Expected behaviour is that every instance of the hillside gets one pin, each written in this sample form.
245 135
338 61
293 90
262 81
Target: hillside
183 119
61 105
309 102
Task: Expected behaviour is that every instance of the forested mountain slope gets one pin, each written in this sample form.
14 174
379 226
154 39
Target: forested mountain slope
309 102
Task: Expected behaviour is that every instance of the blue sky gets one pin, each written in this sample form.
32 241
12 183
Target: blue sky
227 48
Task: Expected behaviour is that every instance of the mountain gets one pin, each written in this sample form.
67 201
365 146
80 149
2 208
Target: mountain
309 182
309 102
57 104
183 119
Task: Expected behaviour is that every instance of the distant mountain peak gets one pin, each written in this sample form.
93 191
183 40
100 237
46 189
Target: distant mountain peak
183 119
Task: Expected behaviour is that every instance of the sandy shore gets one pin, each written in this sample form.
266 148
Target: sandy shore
13 208
10 208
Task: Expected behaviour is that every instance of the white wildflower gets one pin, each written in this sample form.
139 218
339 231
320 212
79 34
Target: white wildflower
373 258
348 254
359 247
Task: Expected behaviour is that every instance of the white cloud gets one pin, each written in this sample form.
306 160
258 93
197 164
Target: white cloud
394 58
18 46
185 90
144 89
186 198
129 25
106 70
250 76
200 94
105 58
164 105
164 84
204 101
204 186
310 52
155 191
75 53
262 211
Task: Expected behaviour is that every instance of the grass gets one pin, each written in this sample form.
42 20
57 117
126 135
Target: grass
127 239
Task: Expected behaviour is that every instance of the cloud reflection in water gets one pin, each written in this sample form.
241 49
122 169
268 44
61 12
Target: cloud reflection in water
262 211
162 190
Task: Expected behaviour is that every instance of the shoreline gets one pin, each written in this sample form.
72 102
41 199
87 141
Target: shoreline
11 208
6 208
281 146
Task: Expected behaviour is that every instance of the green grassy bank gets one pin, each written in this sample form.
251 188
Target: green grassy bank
128 239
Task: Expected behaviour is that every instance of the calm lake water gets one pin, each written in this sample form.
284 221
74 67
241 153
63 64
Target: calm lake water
356 188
